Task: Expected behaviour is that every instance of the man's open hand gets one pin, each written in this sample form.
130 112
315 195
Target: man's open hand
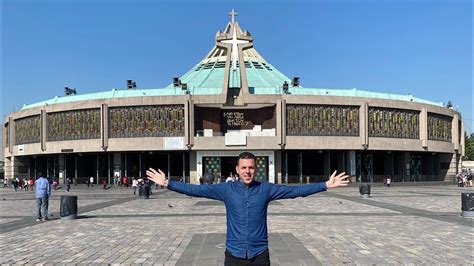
157 176
337 180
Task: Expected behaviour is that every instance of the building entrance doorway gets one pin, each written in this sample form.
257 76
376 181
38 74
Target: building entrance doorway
222 167
222 164
228 166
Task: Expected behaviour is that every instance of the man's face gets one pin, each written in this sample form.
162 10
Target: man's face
246 170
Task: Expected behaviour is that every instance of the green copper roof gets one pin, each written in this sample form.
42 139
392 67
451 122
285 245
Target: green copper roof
108 95
204 78
343 93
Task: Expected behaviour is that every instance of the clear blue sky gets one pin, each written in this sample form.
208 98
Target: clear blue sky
419 47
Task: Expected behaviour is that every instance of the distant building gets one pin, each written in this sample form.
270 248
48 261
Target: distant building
234 101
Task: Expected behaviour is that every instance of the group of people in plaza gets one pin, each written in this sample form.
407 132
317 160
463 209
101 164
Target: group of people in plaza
210 178
464 179
20 184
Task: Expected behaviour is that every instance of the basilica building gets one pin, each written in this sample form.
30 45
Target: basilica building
234 101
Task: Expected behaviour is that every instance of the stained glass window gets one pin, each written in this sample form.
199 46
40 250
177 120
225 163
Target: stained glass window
146 121
394 123
74 125
261 165
322 120
439 127
27 130
212 165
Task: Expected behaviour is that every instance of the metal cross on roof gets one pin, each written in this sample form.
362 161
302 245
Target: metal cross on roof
233 14
234 42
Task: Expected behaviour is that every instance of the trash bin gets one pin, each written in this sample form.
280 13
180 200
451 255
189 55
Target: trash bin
467 203
364 190
144 192
68 207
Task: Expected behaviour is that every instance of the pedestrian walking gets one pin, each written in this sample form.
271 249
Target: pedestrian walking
43 191
91 181
25 184
134 186
16 184
125 181
68 184
246 203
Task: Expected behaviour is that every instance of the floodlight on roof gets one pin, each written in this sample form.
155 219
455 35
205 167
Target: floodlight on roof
131 84
69 91
295 82
176 82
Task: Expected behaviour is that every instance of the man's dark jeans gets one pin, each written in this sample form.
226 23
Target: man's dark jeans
261 259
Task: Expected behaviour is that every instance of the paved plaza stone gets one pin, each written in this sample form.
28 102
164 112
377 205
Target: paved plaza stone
399 225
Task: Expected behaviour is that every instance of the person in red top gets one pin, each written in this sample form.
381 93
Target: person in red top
125 181
31 182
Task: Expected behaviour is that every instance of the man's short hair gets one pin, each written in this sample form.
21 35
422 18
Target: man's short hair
245 155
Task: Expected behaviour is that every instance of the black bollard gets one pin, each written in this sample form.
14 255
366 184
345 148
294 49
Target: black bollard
467 204
364 190
68 207
144 192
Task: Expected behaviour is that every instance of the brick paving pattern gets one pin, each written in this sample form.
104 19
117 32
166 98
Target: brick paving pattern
399 225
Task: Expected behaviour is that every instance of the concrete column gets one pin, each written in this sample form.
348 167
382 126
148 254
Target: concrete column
193 173
169 166
97 167
300 163
191 123
11 130
283 123
187 119
406 173
108 168
43 129
327 164
364 125
184 165
140 165
9 168
104 126
424 128
463 140
36 166
75 168
62 166
277 163
455 132
451 159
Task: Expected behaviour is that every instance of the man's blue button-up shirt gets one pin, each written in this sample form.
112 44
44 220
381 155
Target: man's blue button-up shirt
246 209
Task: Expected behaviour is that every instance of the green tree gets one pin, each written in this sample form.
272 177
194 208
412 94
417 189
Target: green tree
469 147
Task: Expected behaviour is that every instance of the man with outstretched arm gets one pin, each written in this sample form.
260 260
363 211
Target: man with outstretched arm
246 203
